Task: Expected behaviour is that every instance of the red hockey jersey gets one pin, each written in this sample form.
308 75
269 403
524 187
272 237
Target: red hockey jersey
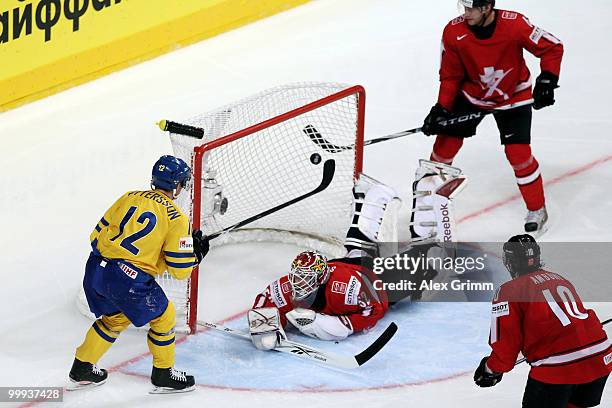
492 72
348 293
541 315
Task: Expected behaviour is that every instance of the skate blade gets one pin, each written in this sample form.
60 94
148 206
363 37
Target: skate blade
76 385
167 390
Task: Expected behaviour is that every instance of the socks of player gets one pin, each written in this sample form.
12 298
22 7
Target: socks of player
527 172
445 149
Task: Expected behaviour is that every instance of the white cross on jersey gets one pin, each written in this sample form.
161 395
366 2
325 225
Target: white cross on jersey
491 80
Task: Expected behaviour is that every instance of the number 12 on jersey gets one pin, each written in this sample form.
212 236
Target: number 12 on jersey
128 242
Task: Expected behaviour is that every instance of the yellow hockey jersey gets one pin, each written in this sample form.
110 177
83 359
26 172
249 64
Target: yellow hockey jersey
147 229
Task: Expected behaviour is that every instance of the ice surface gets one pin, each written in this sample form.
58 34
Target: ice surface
68 157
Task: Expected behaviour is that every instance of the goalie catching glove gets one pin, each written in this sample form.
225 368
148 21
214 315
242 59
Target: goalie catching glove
319 325
265 328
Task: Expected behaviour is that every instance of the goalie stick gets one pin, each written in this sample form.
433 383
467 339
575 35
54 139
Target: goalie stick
314 354
329 147
329 169
523 359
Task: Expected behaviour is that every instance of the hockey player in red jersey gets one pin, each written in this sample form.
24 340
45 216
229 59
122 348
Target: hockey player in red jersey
331 300
540 314
483 68
326 300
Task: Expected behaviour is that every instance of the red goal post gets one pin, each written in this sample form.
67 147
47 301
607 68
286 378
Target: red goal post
271 160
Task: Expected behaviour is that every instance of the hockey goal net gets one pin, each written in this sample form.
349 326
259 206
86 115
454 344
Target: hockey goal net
257 154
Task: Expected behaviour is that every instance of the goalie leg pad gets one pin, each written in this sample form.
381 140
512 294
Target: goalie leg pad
434 188
320 326
375 212
265 328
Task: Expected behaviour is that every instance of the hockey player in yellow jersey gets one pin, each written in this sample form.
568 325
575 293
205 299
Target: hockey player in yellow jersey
142 235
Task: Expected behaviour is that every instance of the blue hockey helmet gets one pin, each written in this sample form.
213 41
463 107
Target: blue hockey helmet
169 172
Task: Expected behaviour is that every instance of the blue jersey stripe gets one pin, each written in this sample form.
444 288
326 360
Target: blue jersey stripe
102 334
98 228
162 334
94 246
179 254
160 342
181 265
104 222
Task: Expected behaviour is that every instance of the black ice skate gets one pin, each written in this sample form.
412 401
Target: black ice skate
169 380
535 222
85 375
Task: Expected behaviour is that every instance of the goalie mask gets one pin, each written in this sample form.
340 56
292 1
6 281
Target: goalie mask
521 255
308 270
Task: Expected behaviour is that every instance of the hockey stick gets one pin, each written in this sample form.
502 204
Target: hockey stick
181 129
329 147
523 359
329 168
314 354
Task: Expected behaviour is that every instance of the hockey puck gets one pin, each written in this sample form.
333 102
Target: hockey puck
315 158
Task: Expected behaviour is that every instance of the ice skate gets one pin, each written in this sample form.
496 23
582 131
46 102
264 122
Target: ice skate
169 381
85 375
535 222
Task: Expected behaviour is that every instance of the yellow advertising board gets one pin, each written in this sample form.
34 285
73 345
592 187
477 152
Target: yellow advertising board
50 45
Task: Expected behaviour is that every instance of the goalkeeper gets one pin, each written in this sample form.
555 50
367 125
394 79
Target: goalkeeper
330 300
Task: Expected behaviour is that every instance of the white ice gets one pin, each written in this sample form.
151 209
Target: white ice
66 158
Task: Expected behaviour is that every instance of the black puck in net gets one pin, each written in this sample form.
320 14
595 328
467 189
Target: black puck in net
315 158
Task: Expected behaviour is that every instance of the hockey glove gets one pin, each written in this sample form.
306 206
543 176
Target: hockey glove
200 245
319 325
437 114
483 377
265 328
544 90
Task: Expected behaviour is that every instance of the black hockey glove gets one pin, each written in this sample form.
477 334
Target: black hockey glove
200 245
484 379
437 114
544 90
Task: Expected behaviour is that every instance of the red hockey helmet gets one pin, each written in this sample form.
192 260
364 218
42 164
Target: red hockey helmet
308 271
